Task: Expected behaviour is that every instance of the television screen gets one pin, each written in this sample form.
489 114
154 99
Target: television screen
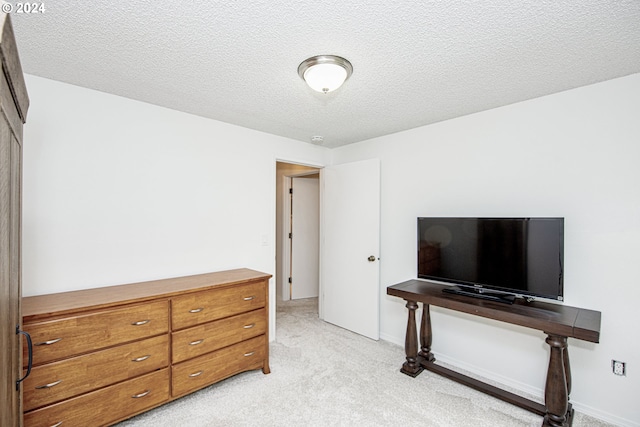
521 256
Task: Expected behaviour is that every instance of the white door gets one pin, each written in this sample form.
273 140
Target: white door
350 246
305 248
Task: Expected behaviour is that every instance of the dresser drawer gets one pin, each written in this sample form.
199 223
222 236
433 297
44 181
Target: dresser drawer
70 336
215 335
209 368
56 381
201 307
107 405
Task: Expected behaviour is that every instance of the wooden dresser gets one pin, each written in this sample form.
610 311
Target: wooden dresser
103 355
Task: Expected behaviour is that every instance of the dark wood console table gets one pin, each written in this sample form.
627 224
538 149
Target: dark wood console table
558 321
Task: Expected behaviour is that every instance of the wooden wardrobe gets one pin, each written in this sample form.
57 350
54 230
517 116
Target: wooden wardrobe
14 103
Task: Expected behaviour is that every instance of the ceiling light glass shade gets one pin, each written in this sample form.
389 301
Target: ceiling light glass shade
325 73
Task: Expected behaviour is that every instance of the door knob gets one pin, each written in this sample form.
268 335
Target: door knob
371 258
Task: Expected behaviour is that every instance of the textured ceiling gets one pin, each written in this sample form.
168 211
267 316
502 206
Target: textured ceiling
415 62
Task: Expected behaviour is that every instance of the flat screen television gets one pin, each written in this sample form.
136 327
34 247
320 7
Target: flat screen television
494 258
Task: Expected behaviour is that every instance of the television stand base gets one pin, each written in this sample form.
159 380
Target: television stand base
558 322
482 294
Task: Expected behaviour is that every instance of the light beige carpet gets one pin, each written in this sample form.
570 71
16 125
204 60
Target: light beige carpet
322 375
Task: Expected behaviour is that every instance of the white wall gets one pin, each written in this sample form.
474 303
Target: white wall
118 191
573 154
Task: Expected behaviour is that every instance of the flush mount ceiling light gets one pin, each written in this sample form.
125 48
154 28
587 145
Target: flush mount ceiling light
325 73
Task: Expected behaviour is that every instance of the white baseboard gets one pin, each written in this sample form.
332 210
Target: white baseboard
392 339
604 416
492 378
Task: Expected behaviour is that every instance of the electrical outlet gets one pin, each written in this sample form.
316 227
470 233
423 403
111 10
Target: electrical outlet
619 368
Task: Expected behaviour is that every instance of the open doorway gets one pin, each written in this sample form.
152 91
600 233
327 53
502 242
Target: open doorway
297 225
349 248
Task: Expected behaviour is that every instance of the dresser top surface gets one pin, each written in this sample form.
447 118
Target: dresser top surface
44 306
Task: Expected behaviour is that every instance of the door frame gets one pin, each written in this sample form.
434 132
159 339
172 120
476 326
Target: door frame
282 251
285 252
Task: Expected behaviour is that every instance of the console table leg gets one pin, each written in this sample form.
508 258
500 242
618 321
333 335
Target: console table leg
425 335
567 374
411 367
567 368
556 394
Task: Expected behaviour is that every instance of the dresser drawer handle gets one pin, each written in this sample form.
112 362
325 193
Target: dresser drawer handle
196 310
143 394
249 298
196 342
141 358
57 424
55 383
49 342
142 322
196 374
249 354
249 326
